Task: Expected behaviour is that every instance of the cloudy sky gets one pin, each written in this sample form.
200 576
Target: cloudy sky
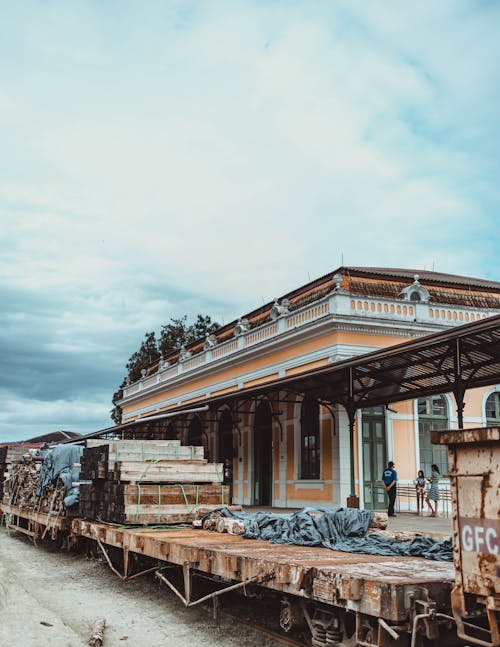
168 158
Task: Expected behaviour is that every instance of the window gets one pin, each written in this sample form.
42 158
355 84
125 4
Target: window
493 409
416 291
432 414
434 406
374 411
310 456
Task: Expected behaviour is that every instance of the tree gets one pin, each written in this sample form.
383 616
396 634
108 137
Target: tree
178 333
173 335
144 357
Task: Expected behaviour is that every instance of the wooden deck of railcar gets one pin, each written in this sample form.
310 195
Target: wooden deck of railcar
378 586
34 523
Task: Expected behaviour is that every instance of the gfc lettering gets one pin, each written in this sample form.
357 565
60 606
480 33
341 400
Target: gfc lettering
479 538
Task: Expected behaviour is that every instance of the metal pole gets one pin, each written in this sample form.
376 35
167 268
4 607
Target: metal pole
351 412
459 386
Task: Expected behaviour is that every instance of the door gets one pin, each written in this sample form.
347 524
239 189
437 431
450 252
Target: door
225 452
195 435
263 455
374 457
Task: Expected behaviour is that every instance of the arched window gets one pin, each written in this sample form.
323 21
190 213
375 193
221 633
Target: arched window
493 409
310 456
432 414
416 291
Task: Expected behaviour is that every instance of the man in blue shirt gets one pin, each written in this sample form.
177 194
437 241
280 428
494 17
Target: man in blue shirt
390 480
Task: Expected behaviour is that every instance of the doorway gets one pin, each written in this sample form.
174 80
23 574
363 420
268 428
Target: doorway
374 457
225 452
263 455
195 435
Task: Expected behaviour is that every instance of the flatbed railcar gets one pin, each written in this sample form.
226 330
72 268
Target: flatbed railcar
340 599
35 524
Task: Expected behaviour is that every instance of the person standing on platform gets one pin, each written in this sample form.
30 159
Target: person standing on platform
420 486
433 493
390 481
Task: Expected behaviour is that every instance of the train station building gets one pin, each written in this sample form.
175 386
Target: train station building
235 393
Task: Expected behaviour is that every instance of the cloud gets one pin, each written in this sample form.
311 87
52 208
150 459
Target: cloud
177 157
24 418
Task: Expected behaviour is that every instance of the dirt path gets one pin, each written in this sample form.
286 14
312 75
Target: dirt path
69 592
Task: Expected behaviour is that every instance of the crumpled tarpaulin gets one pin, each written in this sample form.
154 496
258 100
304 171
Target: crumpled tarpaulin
341 529
58 463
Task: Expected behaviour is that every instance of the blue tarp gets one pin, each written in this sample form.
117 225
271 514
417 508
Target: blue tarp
58 463
341 529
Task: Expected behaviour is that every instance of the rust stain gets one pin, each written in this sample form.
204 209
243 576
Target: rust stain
485 484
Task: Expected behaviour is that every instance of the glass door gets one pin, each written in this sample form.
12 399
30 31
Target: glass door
374 457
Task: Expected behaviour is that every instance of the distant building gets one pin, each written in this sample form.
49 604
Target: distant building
293 451
52 437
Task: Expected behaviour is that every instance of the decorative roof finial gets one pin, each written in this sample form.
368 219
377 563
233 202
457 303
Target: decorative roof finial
242 326
210 341
280 309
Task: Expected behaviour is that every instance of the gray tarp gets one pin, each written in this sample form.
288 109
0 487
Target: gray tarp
336 528
58 463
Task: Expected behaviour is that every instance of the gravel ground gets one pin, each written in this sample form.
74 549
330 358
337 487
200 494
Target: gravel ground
68 592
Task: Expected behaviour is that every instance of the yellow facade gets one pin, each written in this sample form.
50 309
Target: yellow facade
275 459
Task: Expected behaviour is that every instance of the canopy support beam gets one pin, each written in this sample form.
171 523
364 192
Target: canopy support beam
459 390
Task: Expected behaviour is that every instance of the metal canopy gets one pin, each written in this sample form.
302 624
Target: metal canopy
450 361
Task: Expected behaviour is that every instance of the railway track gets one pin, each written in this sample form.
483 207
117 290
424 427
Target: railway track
277 637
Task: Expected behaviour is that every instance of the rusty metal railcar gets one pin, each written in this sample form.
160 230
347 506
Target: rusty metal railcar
345 599
474 462
340 599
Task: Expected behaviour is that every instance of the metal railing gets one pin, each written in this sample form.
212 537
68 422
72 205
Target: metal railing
406 499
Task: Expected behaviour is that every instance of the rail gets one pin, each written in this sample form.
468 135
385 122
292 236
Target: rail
406 499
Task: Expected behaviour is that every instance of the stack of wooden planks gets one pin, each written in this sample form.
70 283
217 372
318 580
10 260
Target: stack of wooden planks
142 450
10 456
148 461
21 485
94 463
20 488
148 482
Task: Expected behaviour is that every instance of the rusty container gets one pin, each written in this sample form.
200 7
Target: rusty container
474 469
